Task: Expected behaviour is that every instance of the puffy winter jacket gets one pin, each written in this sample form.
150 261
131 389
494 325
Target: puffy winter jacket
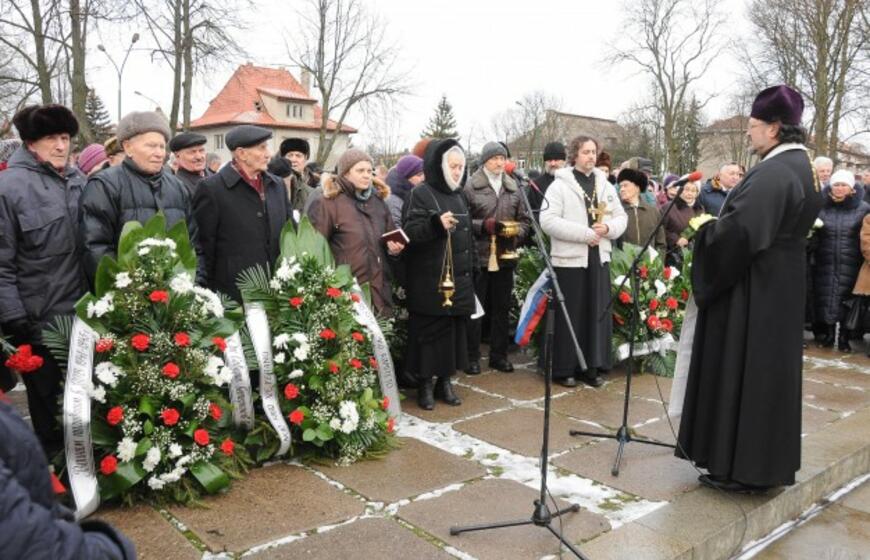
33 525
838 255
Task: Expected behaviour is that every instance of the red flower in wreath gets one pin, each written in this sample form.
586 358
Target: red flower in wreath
667 325
220 343
333 367
618 319
170 416
684 295
358 336
653 322
327 334
672 303
215 411
228 447
296 302
159 296
334 293
291 391
373 362
182 339
171 370
667 273
140 341
385 404
355 298
296 417
104 345
23 360
201 437
355 363
653 304
624 297
108 465
644 271
391 425
115 415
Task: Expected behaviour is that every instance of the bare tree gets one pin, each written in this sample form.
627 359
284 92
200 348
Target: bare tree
539 122
822 48
383 121
30 30
674 43
345 50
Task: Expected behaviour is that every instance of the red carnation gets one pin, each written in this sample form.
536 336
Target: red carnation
108 465
653 304
333 293
684 295
355 363
671 303
115 415
385 404
291 391
159 296
667 325
373 362
182 339
23 360
140 341
327 334
201 437
170 416
228 446
355 298
171 370
653 322
296 302
220 343
644 271
618 318
215 411
333 367
104 345
624 297
296 417
667 273
358 336
391 425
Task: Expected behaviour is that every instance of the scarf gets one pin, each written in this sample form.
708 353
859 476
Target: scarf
495 180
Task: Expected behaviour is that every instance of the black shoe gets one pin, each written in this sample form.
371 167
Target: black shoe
501 364
425 394
444 391
825 337
473 368
567 381
591 378
726 485
843 343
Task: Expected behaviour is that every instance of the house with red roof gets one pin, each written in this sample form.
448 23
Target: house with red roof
271 98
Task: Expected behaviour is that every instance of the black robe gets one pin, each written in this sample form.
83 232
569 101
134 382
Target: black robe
742 412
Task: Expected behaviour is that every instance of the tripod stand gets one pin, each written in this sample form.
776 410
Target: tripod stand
622 435
542 516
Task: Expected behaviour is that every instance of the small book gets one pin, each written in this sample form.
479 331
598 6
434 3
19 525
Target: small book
397 235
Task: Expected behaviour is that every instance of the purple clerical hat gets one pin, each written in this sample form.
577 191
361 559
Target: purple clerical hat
778 103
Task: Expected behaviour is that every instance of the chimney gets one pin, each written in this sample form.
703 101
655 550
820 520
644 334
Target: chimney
305 78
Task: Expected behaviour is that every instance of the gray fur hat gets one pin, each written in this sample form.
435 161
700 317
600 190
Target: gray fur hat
490 150
136 123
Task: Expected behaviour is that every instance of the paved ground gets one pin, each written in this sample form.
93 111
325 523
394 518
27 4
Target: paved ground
477 463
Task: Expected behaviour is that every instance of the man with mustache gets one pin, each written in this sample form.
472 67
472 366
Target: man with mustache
189 150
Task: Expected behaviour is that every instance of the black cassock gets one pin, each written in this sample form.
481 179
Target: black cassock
742 412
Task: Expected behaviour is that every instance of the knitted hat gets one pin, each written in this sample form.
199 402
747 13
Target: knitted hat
295 145
634 176
670 178
92 156
408 166
38 121
490 150
141 122
350 158
555 150
419 149
843 176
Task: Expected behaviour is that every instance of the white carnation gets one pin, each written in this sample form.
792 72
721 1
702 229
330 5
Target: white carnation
101 306
335 423
98 393
155 483
181 283
281 341
661 289
144 251
152 459
280 358
296 373
275 284
122 280
300 338
224 376
108 373
213 366
175 450
210 300
126 449
348 412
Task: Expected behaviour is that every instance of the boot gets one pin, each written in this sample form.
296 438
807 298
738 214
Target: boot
425 394
444 391
591 378
843 341
825 339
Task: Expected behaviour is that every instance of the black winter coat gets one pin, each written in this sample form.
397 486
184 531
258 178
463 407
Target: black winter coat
192 180
40 266
237 230
122 194
838 255
424 256
33 524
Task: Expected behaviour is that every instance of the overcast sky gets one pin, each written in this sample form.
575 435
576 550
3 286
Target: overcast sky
483 54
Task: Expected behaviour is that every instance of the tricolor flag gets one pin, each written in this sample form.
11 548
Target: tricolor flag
533 309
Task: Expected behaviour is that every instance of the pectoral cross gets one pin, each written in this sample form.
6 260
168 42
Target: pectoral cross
599 211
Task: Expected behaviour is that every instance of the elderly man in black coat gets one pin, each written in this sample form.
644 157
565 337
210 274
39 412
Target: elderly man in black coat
136 190
240 211
189 150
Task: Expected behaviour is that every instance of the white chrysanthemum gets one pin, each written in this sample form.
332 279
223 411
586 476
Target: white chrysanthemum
98 393
619 280
101 306
284 271
143 251
281 341
348 412
210 300
674 273
280 358
301 352
661 289
296 373
212 367
126 449
181 283
155 483
152 459
224 376
275 284
335 423
300 337
108 373
122 280
175 450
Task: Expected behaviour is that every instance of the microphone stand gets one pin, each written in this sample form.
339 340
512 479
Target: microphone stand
622 435
542 516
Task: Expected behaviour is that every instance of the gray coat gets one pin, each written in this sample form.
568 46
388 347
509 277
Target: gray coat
40 267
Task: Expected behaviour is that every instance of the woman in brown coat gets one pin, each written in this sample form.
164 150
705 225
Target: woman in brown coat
685 208
862 284
352 215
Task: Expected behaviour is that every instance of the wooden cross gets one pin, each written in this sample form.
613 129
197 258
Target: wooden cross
599 211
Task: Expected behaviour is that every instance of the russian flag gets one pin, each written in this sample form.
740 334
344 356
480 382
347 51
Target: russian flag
533 309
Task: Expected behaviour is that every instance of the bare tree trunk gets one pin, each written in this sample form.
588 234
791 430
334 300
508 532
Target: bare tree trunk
43 72
78 48
177 65
187 34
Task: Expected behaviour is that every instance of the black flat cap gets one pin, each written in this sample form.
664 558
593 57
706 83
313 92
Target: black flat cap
295 145
186 140
246 135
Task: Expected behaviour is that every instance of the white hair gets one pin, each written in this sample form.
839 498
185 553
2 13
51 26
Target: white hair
823 160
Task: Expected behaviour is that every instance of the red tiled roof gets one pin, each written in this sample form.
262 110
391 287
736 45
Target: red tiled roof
236 102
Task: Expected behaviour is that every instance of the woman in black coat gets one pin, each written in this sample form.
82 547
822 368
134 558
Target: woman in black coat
437 343
838 256
685 208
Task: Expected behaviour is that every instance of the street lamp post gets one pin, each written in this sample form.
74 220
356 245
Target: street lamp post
120 69
151 99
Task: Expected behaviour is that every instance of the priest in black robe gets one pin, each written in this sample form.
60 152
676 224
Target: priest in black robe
741 417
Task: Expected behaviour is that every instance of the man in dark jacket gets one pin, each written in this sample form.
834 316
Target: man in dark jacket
40 268
296 152
189 150
554 159
716 189
643 217
493 198
33 524
240 211
133 191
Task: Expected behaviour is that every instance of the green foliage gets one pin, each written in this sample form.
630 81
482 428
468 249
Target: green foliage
443 123
98 117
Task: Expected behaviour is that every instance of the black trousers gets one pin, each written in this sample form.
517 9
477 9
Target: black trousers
493 289
43 394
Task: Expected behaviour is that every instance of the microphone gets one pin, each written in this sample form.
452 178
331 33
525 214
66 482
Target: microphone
688 177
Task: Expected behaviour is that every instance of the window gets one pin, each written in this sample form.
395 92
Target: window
288 109
294 111
218 141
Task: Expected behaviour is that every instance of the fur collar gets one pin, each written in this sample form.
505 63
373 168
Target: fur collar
331 187
480 181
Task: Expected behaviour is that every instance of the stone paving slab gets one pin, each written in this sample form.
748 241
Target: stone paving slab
813 419
413 469
659 430
365 538
154 537
858 499
835 398
649 471
494 500
521 430
473 402
605 408
270 503
642 385
837 533
840 377
522 385
636 542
